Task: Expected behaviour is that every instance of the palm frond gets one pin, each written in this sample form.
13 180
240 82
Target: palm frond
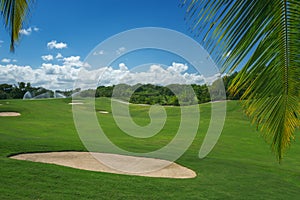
263 39
14 13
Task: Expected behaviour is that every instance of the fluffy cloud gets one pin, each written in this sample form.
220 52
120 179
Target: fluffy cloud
8 60
56 45
47 57
63 76
123 67
74 61
153 74
120 50
12 73
28 31
96 53
59 56
48 75
5 60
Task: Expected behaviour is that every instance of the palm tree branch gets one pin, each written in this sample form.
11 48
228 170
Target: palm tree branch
262 39
14 13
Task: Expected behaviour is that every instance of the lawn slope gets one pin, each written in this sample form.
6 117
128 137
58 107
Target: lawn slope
241 166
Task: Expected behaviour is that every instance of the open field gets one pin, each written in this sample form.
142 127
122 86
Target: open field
241 166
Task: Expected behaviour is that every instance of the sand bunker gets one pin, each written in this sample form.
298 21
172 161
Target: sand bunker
9 114
86 161
142 104
76 103
103 112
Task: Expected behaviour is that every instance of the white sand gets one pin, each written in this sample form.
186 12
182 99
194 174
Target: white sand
142 104
9 114
103 112
76 103
86 161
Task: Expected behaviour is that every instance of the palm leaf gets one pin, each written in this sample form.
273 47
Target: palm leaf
263 39
14 13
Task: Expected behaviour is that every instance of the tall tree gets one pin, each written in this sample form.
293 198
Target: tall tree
262 37
14 13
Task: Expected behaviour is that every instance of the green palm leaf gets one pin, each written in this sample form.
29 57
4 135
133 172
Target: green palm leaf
263 38
14 13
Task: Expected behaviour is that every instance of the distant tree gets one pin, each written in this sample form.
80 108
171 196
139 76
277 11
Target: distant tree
28 86
21 86
103 91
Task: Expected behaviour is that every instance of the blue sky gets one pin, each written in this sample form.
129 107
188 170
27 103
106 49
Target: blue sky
63 32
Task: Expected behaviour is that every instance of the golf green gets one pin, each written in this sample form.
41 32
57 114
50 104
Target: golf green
241 166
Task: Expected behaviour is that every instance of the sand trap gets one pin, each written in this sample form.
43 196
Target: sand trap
103 112
85 161
76 103
142 104
120 101
9 114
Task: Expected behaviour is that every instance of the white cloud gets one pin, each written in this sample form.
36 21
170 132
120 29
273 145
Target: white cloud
96 53
55 76
25 31
6 60
74 61
28 31
47 57
123 67
56 45
48 75
59 56
154 74
211 79
120 50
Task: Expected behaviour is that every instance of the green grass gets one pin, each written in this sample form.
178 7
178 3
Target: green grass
241 166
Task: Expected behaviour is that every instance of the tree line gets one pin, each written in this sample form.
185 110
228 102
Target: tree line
17 91
174 94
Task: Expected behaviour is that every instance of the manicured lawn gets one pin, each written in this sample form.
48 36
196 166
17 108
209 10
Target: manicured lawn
241 166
